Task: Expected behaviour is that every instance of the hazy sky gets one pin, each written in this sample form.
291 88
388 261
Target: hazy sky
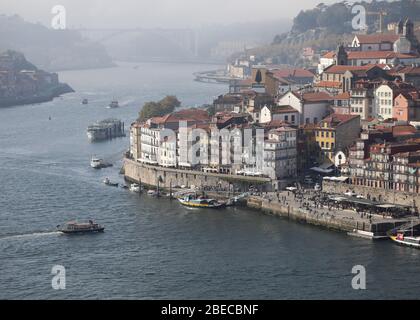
157 13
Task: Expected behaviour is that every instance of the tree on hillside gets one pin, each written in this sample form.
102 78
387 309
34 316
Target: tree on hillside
157 109
170 101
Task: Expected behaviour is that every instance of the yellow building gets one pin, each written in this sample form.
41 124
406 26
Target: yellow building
335 133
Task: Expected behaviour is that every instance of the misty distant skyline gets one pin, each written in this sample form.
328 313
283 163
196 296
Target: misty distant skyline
157 13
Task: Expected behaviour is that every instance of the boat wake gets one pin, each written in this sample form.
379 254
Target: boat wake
29 235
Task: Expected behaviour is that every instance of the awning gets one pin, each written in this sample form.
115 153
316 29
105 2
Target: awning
322 170
340 179
326 165
386 206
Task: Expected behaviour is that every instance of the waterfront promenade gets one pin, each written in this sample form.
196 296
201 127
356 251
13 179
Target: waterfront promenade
307 206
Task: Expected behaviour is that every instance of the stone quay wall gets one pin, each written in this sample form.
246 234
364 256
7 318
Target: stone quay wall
149 175
389 196
300 215
333 223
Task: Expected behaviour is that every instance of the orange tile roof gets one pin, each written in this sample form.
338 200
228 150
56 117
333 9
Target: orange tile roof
342 96
409 70
379 55
183 115
329 55
342 69
316 96
292 72
337 119
328 84
283 109
377 38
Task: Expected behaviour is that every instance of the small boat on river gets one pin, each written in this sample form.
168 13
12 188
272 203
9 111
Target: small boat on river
109 183
80 227
134 187
114 104
407 235
97 163
201 202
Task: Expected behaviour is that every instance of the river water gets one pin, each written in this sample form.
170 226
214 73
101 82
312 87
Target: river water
156 249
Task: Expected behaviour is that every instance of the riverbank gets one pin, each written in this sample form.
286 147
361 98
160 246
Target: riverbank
286 205
213 76
302 206
45 96
151 175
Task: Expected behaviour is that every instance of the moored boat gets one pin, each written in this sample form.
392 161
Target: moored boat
135 187
407 235
80 227
109 183
153 193
85 101
114 104
96 163
106 129
201 202
404 240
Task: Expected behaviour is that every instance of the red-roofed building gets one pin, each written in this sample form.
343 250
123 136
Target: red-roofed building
312 106
360 58
388 166
375 42
342 103
340 78
279 113
407 106
410 74
385 95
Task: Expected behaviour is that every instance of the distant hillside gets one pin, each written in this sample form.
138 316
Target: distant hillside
21 82
206 44
323 27
51 49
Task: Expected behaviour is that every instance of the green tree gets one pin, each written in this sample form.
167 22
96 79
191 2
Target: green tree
170 101
158 109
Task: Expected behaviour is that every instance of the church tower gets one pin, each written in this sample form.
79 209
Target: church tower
408 29
400 27
341 57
